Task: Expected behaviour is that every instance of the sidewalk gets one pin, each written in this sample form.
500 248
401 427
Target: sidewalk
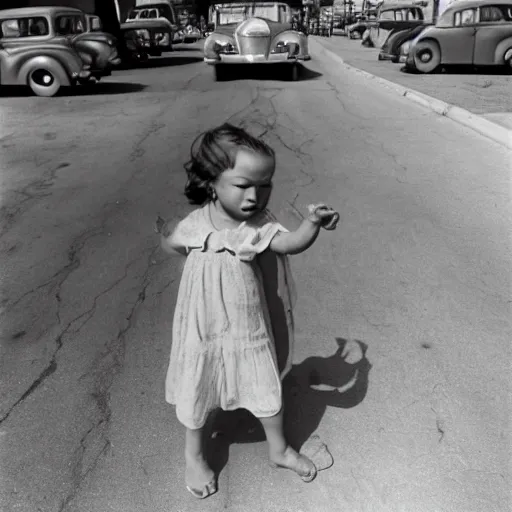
487 94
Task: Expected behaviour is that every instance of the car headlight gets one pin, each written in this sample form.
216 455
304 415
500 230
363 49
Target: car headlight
215 46
291 48
224 47
404 49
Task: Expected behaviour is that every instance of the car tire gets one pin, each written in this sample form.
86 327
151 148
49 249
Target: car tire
43 82
427 56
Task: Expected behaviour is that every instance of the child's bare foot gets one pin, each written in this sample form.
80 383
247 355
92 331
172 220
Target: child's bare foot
199 477
290 459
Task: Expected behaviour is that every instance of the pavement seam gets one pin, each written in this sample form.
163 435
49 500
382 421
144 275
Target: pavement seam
477 123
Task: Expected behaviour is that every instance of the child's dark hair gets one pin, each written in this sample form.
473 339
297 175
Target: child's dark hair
213 152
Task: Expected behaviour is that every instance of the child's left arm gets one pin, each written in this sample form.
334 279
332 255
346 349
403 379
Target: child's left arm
298 241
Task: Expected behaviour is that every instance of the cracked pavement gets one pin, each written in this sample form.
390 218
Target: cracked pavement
418 271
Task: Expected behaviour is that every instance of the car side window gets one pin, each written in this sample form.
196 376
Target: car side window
490 13
25 27
69 25
465 17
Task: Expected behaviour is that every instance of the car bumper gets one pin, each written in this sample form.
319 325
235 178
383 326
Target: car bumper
386 56
273 58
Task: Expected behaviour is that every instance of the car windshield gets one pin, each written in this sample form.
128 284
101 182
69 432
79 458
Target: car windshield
69 24
236 13
146 13
24 27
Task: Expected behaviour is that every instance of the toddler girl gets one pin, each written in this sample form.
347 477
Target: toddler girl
223 352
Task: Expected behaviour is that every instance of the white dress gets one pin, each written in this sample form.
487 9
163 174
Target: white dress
223 352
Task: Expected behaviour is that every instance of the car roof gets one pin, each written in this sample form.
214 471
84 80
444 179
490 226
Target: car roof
32 11
469 4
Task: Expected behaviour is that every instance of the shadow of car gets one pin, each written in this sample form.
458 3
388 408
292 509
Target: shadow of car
473 32
265 72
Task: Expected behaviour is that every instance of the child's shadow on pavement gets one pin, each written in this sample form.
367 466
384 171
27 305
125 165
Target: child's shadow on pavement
340 380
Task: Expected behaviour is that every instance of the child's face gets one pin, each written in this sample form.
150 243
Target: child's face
245 189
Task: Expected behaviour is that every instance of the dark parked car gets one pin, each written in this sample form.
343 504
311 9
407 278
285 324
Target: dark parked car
473 32
49 47
396 46
362 23
151 28
392 17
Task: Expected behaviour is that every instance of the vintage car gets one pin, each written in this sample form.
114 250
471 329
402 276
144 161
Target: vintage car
392 17
357 29
473 32
191 34
48 47
397 44
151 28
254 32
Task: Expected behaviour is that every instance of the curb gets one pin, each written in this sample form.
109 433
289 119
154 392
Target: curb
493 131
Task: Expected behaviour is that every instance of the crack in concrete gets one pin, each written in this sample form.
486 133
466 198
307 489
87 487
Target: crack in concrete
73 263
137 150
31 192
60 277
95 443
339 99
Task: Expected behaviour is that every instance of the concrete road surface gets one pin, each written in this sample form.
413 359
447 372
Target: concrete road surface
418 272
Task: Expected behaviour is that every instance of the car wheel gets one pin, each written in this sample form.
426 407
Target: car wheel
427 56
380 57
508 62
43 82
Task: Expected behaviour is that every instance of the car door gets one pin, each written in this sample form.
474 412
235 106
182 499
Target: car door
492 28
458 41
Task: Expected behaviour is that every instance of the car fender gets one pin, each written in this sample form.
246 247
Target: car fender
98 49
46 62
422 39
503 51
210 42
427 33
63 61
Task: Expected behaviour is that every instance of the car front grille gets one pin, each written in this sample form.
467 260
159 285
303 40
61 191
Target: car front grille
251 45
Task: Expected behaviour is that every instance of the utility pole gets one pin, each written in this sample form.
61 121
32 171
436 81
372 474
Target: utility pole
435 10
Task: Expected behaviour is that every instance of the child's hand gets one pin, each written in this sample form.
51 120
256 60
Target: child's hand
323 215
